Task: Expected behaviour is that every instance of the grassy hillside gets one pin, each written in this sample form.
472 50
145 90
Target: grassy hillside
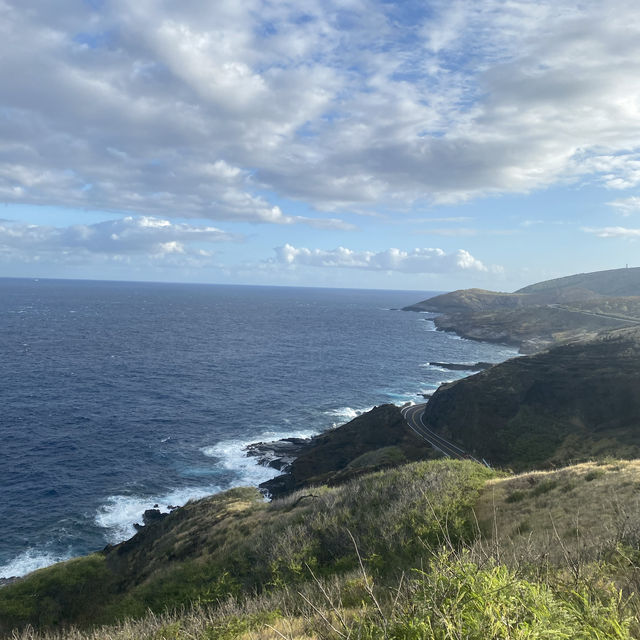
375 440
614 282
538 327
570 403
569 289
469 300
541 555
234 544
586 513
542 314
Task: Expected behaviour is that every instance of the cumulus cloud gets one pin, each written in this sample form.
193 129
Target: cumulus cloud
415 261
614 232
626 206
204 110
117 239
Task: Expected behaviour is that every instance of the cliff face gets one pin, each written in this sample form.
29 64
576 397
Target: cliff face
376 439
570 403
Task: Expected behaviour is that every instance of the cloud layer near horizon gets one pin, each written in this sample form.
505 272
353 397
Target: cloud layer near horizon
415 261
204 110
116 239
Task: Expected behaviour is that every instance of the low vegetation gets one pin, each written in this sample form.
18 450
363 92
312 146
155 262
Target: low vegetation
234 544
437 549
570 404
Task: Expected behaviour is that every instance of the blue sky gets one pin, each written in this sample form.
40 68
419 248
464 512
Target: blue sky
352 143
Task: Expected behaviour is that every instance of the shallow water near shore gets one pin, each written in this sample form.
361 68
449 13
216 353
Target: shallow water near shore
120 396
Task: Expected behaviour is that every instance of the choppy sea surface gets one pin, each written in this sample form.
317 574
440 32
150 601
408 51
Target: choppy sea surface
115 397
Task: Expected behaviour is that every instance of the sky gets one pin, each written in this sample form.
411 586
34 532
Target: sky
428 145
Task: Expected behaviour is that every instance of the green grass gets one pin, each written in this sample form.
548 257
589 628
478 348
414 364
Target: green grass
456 598
234 544
395 555
452 596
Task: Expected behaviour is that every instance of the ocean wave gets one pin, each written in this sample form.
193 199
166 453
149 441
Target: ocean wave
347 413
232 456
400 398
31 560
433 367
119 513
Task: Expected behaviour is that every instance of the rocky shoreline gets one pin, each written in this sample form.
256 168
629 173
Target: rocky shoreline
375 440
542 315
454 366
278 454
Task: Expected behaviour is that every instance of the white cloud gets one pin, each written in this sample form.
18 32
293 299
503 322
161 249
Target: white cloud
450 231
626 206
199 110
613 232
416 261
115 239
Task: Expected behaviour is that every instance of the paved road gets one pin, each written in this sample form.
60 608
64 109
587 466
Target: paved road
413 417
585 312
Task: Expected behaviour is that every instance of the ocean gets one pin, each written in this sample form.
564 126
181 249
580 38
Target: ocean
116 397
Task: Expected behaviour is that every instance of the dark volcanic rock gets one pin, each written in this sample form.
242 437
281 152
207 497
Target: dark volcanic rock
150 516
6 581
374 440
453 366
570 403
278 454
278 486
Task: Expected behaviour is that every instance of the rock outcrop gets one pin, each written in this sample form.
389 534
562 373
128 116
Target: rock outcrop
377 439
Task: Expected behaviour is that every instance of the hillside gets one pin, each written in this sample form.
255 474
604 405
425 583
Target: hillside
234 544
542 314
570 403
469 300
493 556
534 328
377 439
611 283
614 283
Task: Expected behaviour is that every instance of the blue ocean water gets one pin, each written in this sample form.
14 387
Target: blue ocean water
115 397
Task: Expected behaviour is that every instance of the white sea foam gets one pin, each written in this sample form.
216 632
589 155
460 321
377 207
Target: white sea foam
232 455
401 398
119 513
30 560
347 413
433 367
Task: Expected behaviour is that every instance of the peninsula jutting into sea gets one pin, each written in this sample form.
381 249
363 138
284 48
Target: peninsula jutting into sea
362 505
577 398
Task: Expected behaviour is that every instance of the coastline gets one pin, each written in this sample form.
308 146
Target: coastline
279 461
291 455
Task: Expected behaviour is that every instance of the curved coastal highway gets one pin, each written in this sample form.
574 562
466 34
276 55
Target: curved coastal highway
413 417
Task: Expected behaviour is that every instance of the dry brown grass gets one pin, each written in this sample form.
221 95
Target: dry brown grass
579 513
553 530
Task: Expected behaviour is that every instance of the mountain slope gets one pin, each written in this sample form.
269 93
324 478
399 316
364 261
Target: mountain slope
542 314
235 544
550 555
613 282
578 287
570 403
